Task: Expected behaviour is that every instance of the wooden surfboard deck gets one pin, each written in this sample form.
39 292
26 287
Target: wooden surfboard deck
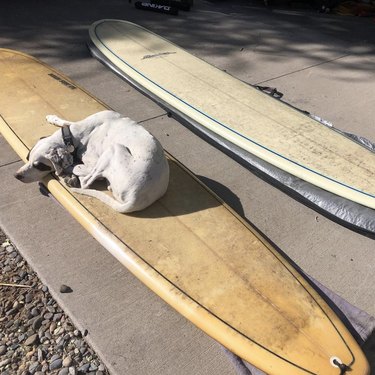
189 247
236 112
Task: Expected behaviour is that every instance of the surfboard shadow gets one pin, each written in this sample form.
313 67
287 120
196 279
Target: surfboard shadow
224 193
186 195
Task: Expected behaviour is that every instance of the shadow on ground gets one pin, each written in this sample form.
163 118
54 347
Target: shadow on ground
60 31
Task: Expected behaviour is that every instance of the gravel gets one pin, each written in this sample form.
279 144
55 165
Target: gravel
36 336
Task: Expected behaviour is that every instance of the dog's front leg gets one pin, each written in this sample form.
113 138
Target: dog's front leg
81 170
71 180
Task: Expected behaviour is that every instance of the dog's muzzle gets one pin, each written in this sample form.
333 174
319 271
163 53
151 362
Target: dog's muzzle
18 176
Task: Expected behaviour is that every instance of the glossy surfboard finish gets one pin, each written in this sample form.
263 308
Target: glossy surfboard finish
189 248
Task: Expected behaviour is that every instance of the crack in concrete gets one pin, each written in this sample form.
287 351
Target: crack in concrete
302 69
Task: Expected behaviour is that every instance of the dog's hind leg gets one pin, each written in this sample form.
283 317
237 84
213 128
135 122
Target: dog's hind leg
117 153
98 170
123 207
57 121
96 118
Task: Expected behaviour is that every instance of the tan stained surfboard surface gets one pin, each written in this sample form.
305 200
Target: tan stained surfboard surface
188 247
237 112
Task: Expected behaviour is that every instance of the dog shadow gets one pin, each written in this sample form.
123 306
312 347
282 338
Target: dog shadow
187 194
225 194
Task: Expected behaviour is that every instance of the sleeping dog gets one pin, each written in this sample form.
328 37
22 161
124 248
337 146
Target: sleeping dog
107 146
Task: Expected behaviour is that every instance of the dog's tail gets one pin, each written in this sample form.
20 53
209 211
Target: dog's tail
124 207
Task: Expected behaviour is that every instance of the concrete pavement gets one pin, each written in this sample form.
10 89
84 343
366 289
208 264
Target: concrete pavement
322 63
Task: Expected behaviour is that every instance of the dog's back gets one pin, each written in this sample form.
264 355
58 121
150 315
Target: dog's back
138 171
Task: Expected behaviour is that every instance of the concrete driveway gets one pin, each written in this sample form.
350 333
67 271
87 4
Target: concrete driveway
322 63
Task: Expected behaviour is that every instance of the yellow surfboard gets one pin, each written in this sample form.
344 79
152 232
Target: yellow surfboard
228 109
189 247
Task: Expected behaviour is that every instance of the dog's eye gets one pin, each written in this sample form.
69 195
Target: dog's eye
41 167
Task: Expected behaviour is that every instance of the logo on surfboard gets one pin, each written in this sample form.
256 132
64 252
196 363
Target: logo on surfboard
156 6
62 81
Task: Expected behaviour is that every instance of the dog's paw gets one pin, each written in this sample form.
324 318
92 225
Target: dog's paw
54 120
72 181
80 170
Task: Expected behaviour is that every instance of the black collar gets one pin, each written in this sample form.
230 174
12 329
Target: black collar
68 138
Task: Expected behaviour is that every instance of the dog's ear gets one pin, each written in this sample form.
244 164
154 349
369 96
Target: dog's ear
60 158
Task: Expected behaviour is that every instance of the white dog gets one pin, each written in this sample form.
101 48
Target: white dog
106 145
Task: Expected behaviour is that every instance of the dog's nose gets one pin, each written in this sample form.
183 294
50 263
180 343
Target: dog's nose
18 176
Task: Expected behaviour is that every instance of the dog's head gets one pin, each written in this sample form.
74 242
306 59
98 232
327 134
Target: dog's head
45 157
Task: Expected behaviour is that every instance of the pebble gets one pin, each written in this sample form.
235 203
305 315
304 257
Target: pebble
64 371
58 331
44 368
7 269
36 337
57 317
35 311
9 249
48 316
22 274
31 340
54 357
37 323
78 344
30 353
3 349
101 367
52 327
5 362
67 361
55 364
34 366
83 351
65 289
44 340
12 311
28 297
93 367
77 333
84 368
